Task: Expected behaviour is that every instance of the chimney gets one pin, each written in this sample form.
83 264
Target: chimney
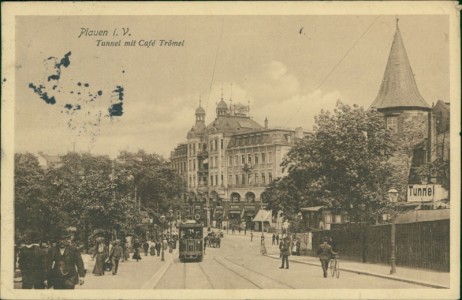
299 133
266 123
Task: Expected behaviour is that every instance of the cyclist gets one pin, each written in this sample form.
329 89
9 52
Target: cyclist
325 254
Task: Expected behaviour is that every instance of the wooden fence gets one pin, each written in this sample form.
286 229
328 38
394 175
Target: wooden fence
419 244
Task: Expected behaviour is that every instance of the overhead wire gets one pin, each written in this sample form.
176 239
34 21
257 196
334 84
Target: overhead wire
214 66
335 67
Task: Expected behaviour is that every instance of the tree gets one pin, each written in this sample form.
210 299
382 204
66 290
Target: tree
342 164
157 186
33 201
90 194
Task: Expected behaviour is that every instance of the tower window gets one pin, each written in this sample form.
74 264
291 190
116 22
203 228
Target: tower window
392 124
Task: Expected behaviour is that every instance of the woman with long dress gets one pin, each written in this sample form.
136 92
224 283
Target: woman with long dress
101 254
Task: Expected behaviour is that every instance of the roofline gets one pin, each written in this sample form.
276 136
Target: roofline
395 108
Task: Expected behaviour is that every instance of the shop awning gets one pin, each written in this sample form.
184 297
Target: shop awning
313 208
262 216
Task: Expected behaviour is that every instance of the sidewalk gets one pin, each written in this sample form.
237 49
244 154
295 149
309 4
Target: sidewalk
130 275
423 277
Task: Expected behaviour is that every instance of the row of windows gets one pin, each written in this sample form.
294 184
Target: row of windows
243 179
214 162
180 167
250 179
192 165
213 146
250 159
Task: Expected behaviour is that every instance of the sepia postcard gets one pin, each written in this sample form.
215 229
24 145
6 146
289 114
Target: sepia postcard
230 150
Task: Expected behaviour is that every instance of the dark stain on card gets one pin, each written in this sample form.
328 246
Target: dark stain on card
43 95
64 62
116 109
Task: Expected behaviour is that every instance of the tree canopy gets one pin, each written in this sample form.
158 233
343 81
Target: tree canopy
92 192
342 164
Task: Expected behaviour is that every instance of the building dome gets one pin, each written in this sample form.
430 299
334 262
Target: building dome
222 105
200 110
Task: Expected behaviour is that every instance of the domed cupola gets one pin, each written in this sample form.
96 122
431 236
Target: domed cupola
222 107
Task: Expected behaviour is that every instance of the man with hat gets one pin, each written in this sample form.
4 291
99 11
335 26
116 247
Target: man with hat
115 255
32 263
284 246
65 265
325 254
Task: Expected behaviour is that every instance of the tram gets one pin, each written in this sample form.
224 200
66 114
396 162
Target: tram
191 244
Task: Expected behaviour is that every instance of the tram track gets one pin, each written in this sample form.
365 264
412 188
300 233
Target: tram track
206 276
261 274
245 278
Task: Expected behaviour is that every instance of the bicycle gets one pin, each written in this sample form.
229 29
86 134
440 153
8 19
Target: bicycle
334 267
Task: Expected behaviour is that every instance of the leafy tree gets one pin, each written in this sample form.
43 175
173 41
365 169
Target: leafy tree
89 193
157 186
342 164
33 202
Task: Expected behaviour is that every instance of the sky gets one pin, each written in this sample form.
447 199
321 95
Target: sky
287 68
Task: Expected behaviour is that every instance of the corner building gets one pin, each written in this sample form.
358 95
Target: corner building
229 164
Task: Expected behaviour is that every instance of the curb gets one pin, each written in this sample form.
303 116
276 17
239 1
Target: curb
154 280
432 285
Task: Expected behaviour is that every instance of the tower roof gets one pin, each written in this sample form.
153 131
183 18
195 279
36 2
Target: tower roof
200 110
398 88
222 104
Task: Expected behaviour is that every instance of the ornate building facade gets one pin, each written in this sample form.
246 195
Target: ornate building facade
229 163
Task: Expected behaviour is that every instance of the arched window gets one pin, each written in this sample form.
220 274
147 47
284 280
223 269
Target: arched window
250 197
235 197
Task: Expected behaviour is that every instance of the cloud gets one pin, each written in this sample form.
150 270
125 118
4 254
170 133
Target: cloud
272 82
298 110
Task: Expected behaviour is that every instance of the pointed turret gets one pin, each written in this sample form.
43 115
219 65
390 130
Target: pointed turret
399 89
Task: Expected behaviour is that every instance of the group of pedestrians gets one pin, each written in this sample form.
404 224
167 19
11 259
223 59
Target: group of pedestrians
325 251
58 267
61 266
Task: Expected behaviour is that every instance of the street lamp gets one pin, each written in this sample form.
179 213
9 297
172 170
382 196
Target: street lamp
162 221
393 198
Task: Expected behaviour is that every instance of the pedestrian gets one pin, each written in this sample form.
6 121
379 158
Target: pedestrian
273 239
277 239
262 239
297 247
145 247
285 252
136 253
115 255
101 255
32 263
325 254
126 251
251 235
152 248
158 246
65 266
206 238
218 241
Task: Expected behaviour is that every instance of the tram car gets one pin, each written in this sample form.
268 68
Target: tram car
191 244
